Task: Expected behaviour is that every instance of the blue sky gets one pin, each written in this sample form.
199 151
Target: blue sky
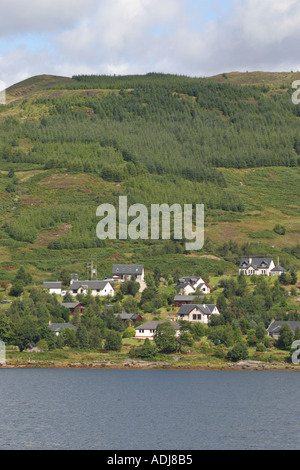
188 37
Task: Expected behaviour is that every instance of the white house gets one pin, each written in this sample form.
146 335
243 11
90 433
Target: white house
97 288
124 272
191 285
148 329
257 266
197 312
53 287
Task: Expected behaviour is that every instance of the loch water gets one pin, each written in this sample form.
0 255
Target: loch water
84 409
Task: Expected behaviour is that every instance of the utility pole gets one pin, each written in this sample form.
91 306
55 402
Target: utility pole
91 269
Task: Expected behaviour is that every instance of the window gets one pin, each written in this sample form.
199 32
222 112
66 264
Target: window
194 316
199 316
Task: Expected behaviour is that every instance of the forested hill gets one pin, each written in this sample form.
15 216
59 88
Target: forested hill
231 142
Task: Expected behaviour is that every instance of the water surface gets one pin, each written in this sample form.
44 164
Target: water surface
148 409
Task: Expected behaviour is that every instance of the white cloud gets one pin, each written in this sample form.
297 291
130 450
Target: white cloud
139 36
18 16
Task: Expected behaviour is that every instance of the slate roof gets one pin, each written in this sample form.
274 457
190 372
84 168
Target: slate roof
207 309
275 326
279 269
52 285
93 285
256 263
70 305
127 269
61 326
184 298
152 325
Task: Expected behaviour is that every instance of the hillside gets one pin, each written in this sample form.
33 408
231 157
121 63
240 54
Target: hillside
69 144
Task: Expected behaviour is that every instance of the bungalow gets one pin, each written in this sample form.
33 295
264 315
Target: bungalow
73 306
257 266
197 312
97 288
273 329
124 272
53 287
148 329
190 285
57 328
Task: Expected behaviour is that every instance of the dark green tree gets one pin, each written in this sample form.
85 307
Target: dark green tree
113 341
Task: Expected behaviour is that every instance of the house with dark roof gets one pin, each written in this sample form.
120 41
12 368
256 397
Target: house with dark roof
197 312
257 266
97 288
124 272
148 329
73 306
183 299
130 318
273 329
57 328
53 287
191 285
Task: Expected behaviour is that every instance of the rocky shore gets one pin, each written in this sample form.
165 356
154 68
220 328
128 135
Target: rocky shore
133 364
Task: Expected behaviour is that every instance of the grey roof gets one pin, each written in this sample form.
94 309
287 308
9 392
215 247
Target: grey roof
93 285
152 325
61 326
279 269
256 263
52 285
184 298
207 309
276 325
124 315
184 281
127 269
70 304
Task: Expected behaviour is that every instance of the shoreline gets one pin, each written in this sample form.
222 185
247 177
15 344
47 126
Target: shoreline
144 365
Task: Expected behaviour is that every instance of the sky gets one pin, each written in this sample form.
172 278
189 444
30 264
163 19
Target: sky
198 38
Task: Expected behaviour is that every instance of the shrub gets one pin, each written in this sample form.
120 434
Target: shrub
260 348
238 353
129 332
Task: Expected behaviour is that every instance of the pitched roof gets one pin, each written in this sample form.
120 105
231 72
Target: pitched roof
152 325
276 325
184 298
70 304
61 326
93 285
127 269
279 269
207 309
52 285
256 263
